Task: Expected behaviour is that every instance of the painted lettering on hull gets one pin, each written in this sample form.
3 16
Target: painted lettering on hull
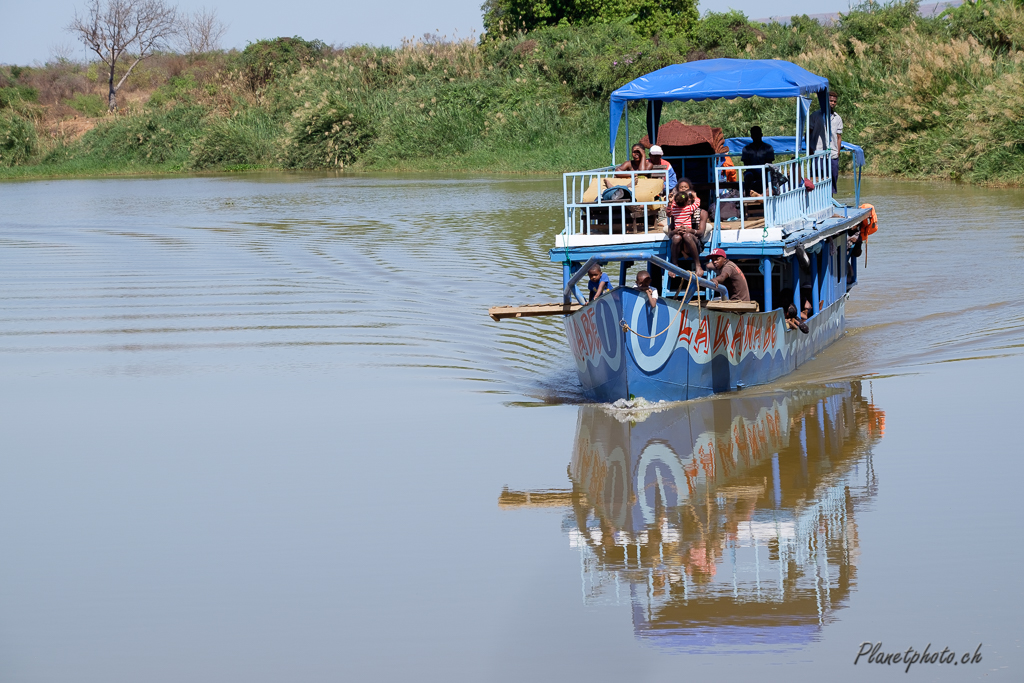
594 336
732 336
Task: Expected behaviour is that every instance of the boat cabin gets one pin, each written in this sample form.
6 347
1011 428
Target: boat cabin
777 221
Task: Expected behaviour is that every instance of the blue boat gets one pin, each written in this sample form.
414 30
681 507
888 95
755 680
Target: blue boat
777 222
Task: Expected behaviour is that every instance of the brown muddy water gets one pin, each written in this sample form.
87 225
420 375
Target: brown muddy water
261 429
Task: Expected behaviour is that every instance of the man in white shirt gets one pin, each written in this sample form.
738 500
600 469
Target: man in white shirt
836 139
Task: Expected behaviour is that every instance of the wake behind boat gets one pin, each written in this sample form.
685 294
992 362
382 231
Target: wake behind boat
777 222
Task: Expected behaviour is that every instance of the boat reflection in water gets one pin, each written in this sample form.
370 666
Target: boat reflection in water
724 523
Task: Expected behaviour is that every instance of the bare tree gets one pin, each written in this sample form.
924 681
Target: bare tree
132 29
62 53
201 32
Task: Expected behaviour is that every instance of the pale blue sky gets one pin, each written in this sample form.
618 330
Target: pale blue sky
31 29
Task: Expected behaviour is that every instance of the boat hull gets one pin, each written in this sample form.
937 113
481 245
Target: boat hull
694 352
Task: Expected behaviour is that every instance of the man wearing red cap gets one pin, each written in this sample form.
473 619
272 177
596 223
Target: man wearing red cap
730 275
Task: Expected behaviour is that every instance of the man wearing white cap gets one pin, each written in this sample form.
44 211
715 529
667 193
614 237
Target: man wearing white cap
658 163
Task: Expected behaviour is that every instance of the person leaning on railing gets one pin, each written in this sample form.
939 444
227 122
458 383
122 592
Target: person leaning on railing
756 153
730 275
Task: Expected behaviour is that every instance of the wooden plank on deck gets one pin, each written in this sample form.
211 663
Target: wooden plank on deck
530 310
733 306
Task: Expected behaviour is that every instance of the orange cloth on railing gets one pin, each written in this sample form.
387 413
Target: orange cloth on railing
731 176
869 225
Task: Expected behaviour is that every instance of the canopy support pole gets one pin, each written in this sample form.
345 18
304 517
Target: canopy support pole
815 298
653 119
857 170
629 154
797 303
799 111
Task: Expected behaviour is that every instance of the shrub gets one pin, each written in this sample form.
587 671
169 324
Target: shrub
998 24
250 138
179 89
788 40
725 34
590 62
871 22
18 141
153 138
91 105
327 135
650 17
12 96
58 81
21 100
265 60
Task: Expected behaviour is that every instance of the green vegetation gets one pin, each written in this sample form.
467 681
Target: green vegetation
89 104
18 142
267 60
930 98
663 18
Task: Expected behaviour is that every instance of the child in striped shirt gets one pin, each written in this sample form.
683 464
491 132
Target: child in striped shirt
682 208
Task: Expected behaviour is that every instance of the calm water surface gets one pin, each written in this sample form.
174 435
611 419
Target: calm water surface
260 428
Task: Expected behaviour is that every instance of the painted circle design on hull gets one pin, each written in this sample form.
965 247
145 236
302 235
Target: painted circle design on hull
659 475
659 349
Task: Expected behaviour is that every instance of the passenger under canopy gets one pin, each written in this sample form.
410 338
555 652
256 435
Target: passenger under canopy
679 141
712 79
786 144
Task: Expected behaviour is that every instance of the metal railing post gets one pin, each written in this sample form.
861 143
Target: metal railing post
743 220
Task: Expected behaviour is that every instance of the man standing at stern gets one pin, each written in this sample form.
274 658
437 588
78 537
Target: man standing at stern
835 140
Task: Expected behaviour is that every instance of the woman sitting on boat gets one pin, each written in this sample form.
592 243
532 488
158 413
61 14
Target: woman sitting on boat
637 162
686 229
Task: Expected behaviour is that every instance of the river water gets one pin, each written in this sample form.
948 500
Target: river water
261 428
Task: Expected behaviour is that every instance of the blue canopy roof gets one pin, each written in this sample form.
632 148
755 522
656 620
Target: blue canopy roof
711 79
786 144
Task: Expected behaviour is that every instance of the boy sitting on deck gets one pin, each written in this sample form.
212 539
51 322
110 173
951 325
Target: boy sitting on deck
599 283
643 283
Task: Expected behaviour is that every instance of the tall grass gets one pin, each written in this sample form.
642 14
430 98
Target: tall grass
18 141
249 138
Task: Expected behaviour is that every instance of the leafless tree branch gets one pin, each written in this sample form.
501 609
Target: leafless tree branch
201 32
115 28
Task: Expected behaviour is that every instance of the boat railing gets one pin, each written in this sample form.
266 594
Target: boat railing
785 197
581 216
784 201
710 161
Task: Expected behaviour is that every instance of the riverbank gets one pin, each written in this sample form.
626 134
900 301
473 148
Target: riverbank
926 97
